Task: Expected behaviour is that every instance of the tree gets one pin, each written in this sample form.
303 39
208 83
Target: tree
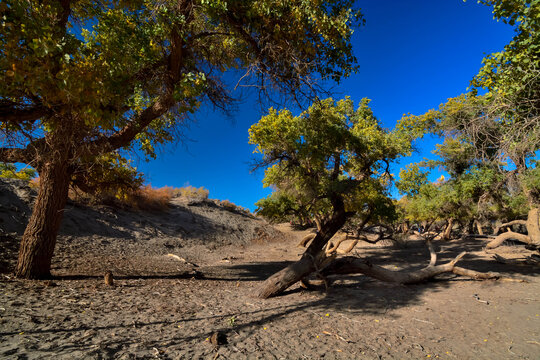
11 171
500 129
493 133
81 79
332 155
512 78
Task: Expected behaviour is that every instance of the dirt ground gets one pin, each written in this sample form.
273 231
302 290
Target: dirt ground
168 307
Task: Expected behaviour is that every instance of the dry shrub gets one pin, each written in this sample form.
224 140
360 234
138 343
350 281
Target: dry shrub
228 205
143 198
34 183
192 193
149 198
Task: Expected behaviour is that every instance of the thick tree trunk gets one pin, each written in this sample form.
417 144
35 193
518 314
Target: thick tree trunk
39 238
293 273
533 225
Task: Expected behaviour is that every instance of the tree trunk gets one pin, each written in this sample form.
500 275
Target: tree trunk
448 231
479 227
405 227
39 238
293 273
533 225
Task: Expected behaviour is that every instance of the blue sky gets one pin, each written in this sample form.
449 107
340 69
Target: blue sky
413 55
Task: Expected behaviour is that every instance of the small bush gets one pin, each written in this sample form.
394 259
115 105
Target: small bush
34 183
149 198
192 193
228 205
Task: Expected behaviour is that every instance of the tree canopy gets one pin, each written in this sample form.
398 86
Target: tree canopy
82 79
334 160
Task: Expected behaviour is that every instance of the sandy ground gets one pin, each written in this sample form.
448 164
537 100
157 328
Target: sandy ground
165 308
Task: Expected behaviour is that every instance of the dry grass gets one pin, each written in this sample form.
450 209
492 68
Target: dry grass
192 193
228 205
149 198
144 198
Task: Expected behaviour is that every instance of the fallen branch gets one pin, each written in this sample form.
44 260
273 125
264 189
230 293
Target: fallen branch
508 224
509 235
530 260
353 265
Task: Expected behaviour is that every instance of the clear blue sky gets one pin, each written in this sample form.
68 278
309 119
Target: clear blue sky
413 55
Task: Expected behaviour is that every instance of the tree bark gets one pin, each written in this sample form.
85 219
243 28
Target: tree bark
293 273
533 225
306 239
353 265
509 225
509 235
448 231
479 227
39 238
533 230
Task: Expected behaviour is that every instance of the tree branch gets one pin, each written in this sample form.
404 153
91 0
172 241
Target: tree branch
13 155
11 113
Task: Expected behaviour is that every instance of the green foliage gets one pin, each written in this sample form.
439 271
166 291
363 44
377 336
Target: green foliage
509 71
483 134
10 171
281 207
108 75
330 151
411 179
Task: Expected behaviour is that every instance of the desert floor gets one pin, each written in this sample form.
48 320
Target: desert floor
168 307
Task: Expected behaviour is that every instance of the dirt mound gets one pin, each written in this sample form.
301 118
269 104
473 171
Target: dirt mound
187 228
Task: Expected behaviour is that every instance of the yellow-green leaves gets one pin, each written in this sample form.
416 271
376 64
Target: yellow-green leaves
329 149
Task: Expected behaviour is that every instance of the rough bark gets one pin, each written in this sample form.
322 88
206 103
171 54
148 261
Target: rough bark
307 264
39 238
